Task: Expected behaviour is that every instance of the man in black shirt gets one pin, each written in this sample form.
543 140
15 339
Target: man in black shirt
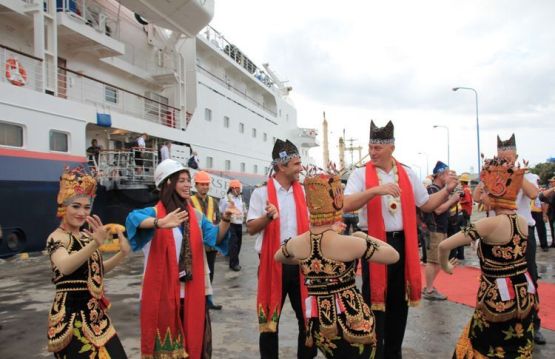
437 226
93 152
548 196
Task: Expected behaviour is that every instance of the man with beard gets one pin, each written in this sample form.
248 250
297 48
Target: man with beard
277 212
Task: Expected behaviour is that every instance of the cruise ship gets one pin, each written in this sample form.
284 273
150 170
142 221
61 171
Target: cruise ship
75 71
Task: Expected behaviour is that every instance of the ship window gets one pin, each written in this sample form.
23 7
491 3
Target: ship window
110 94
11 135
286 117
209 162
255 168
208 114
241 127
58 141
227 165
266 170
226 122
254 132
243 166
280 112
273 140
265 136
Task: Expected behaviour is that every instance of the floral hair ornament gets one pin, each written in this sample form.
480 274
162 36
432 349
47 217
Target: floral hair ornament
324 195
502 182
74 183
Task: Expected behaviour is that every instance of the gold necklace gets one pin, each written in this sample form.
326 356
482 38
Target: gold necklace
393 203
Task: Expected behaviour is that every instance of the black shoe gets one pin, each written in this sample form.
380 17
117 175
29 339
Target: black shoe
539 338
545 249
214 306
236 268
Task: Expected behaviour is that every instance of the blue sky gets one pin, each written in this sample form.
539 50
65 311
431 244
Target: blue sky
399 60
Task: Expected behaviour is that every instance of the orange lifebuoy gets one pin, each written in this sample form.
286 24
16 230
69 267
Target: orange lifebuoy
15 72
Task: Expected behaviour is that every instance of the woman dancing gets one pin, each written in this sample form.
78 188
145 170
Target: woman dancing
502 323
78 323
339 321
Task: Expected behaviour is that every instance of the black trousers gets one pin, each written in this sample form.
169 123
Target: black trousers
391 324
211 259
235 243
551 222
540 227
532 267
268 342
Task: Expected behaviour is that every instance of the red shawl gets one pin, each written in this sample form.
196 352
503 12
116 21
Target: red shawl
269 274
376 228
161 326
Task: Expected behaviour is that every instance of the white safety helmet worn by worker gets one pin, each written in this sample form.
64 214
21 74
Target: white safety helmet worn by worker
165 169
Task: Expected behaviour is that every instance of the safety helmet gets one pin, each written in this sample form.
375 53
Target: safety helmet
464 177
234 184
165 169
202 177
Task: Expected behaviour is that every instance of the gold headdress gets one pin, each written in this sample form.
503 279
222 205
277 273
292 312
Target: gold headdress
73 184
501 182
324 198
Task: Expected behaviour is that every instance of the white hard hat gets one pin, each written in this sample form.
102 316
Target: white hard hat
165 169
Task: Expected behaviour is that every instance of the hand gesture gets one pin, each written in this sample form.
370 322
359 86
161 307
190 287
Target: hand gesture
448 268
174 218
96 230
124 246
271 210
451 182
231 211
391 189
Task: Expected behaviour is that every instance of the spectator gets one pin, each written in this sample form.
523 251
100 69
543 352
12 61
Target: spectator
141 146
165 151
93 153
193 161
548 197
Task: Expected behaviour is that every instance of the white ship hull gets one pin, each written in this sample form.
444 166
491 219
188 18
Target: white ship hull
92 71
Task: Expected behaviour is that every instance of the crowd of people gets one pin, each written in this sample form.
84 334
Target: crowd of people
306 253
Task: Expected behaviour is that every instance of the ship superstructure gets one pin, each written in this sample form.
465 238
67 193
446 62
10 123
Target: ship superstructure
78 70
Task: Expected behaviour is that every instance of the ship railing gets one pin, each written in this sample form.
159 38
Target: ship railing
128 167
219 41
27 71
83 88
90 13
237 91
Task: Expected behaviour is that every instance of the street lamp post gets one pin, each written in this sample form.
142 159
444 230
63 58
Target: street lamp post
477 122
427 167
448 152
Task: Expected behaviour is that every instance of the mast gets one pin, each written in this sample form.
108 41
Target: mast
341 153
325 147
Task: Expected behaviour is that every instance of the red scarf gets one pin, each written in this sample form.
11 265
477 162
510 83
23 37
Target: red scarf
269 274
376 228
160 321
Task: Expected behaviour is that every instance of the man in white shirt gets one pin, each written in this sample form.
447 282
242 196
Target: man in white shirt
165 151
234 198
277 212
388 193
139 155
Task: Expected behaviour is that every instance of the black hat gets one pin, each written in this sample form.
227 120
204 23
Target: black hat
284 151
381 135
508 145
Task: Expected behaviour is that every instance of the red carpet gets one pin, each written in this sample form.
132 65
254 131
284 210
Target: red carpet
462 286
